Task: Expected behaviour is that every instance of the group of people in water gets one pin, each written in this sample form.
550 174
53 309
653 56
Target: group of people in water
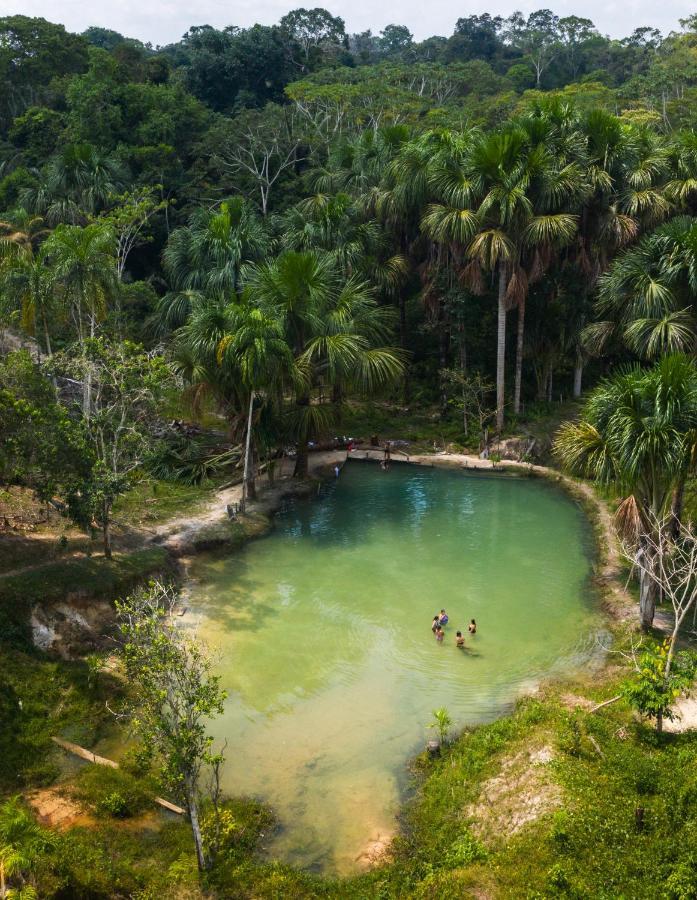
441 619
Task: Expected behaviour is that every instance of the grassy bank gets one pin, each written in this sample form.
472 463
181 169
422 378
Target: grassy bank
52 582
550 801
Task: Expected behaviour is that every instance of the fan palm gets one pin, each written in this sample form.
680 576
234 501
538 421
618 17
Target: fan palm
22 842
23 276
500 204
647 295
637 433
205 258
335 331
76 184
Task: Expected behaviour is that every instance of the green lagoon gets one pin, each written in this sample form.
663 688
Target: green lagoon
323 630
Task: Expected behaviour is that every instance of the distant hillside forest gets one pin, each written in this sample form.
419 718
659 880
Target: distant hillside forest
516 198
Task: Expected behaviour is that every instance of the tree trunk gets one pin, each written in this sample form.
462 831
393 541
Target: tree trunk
676 505
578 376
501 348
87 386
519 357
659 722
647 600
106 530
192 807
443 342
301 460
248 486
47 337
337 402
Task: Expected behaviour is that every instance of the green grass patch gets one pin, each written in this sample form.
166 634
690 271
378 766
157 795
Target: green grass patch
112 793
152 501
40 698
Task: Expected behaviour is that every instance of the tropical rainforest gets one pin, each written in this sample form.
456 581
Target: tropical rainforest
257 241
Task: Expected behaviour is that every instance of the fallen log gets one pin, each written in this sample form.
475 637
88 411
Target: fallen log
103 761
606 703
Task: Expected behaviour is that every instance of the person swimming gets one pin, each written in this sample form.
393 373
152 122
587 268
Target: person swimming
443 617
459 640
472 627
440 634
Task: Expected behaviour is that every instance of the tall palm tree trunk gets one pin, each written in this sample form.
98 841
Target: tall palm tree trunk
578 375
248 486
301 460
501 348
519 356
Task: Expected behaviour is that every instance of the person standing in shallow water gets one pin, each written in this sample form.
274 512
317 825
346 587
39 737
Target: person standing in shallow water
472 627
459 640
443 617
434 624
440 634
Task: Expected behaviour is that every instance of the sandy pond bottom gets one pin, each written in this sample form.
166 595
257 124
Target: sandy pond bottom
323 629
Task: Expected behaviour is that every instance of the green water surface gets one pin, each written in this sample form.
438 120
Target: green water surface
324 635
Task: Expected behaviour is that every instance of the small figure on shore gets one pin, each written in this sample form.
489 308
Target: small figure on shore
440 634
337 471
459 640
434 623
472 627
443 617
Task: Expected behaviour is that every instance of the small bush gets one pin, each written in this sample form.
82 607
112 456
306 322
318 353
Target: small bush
111 792
560 831
465 849
570 735
115 804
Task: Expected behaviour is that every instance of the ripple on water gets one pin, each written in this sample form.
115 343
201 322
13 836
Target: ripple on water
326 647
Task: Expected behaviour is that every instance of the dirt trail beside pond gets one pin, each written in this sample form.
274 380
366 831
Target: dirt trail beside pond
180 535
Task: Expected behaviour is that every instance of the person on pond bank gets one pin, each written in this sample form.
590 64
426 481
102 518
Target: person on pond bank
472 627
337 471
443 618
440 634
459 640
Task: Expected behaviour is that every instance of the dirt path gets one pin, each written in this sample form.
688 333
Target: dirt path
178 534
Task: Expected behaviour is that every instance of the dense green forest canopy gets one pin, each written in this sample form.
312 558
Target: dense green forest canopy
460 182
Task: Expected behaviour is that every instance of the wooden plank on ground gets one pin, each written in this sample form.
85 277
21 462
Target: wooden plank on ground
103 761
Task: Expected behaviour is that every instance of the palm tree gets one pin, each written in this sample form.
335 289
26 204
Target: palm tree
208 253
637 433
205 258
500 205
256 349
22 842
334 329
23 276
25 285
76 184
82 265
646 298
629 171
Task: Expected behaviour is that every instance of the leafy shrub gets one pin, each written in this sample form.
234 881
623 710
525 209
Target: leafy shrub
681 884
560 830
465 849
111 792
137 760
115 804
569 737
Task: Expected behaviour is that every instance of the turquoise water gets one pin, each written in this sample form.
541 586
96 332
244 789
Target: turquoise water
325 646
